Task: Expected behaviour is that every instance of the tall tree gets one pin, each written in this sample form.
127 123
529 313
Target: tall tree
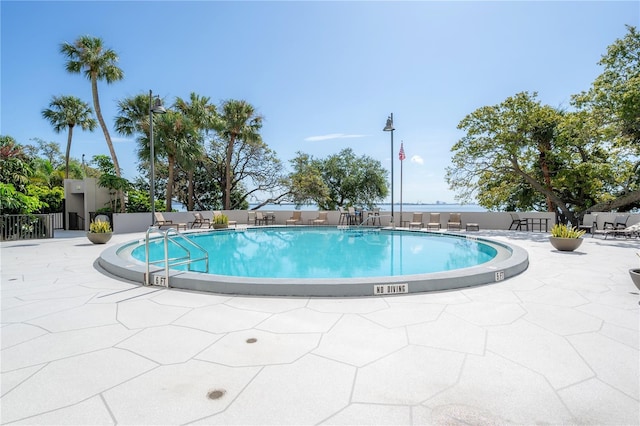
203 116
176 138
339 180
238 124
89 56
66 112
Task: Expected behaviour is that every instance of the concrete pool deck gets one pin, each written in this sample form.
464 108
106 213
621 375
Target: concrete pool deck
558 343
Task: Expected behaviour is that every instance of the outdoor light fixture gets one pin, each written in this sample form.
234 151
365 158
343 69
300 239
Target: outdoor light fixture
389 128
155 107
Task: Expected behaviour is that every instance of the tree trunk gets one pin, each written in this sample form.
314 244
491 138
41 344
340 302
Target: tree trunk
105 130
169 192
190 201
227 173
66 157
546 192
625 200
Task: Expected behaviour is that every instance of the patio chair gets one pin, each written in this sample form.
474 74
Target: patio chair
517 224
416 221
632 231
376 216
344 216
351 216
620 222
434 221
161 221
321 219
200 220
455 221
260 219
589 223
296 218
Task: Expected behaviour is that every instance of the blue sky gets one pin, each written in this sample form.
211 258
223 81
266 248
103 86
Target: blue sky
325 75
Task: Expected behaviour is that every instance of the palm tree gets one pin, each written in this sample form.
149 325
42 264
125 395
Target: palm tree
176 138
68 112
88 54
203 115
239 123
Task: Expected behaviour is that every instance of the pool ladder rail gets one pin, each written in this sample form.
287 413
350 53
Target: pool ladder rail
173 236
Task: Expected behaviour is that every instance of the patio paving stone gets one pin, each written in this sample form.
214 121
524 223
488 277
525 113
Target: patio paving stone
238 349
540 350
557 344
408 376
357 341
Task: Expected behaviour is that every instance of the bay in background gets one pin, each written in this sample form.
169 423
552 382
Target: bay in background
406 207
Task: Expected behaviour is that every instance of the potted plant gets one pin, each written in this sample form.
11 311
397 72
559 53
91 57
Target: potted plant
99 232
565 238
220 221
635 274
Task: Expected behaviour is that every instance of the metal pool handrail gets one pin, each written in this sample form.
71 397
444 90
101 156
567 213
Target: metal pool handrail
171 234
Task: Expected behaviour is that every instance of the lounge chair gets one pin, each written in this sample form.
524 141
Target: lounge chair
620 222
162 222
517 224
296 218
321 219
251 218
416 221
632 231
455 221
199 221
434 221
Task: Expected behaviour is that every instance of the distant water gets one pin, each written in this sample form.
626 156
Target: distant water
453 208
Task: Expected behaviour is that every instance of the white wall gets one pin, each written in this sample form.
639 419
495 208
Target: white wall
139 222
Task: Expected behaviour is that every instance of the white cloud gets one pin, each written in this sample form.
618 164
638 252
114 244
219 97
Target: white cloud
417 159
332 136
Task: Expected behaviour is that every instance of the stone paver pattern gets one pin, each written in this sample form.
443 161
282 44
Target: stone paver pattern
557 344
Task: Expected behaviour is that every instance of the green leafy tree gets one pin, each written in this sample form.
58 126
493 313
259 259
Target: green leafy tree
108 179
613 105
16 202
51 199
48 150
615 94
341 179
15 165
89 56
67 112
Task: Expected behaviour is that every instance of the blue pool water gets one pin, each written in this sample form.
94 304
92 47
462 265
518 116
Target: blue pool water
319 252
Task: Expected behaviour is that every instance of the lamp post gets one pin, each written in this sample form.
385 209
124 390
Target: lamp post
389 128
155 107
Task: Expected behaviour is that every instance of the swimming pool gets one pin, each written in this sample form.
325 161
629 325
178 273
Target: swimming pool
327 261
323 252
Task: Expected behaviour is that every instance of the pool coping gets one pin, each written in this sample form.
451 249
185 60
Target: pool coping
490 272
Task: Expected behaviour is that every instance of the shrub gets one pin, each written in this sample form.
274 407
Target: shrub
100 227
221 219
563 231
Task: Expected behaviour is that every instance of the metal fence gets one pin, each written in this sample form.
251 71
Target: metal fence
26 226
58 220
